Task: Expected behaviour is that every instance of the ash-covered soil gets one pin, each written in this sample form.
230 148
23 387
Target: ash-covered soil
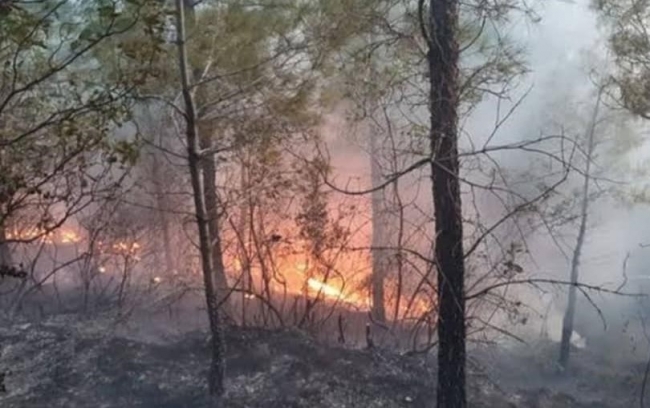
69 362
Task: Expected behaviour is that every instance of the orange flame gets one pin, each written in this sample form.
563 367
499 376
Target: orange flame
67 235
327 290
60 236
297 271
332 292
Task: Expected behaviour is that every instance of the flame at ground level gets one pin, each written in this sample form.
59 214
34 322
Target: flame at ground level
299 278
336 294
328 290
57 236
347 287
410 307
68 236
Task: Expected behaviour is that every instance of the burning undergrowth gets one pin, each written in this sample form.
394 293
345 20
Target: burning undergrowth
70 362
283 284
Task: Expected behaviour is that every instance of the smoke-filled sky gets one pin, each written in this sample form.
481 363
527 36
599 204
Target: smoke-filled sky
560 51
562 48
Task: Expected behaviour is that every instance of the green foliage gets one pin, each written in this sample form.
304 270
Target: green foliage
59 109
626 22
385 64
313 217
124 152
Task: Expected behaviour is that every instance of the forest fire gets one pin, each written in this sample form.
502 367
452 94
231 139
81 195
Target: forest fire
59 236
345 285
355 299
297 282
121 248
328 289
300 277
69 236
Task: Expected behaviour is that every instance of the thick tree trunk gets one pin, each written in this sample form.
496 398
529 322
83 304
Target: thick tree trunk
378 234
569 315
217 366
443 72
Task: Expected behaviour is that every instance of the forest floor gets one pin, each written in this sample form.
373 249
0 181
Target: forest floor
66 361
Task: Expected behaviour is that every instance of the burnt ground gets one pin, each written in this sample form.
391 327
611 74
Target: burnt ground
66 361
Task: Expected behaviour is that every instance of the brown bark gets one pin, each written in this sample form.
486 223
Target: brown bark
217 366
443 76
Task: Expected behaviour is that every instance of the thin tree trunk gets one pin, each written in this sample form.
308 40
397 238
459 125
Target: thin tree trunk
163 216
399 206
443 76
378 234
209 170
243 227
569 316
5 252
217 366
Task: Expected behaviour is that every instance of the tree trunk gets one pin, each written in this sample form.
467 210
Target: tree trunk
244 244
5 252
209 170
378 234
569 315
163 216
443 76
217 366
